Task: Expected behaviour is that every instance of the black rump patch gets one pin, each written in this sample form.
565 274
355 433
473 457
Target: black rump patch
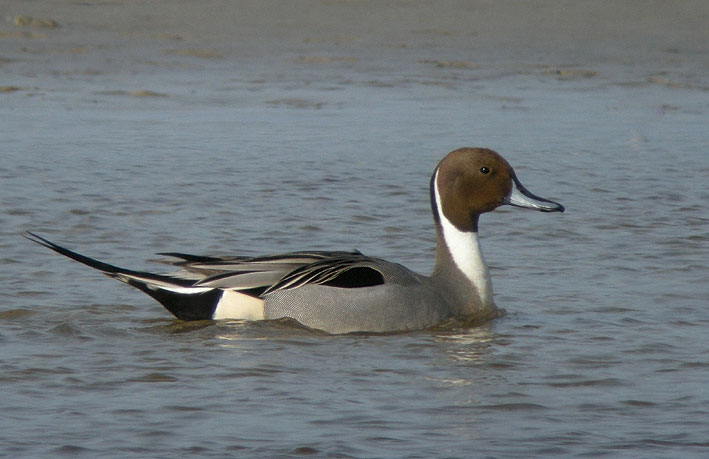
356 278
196 306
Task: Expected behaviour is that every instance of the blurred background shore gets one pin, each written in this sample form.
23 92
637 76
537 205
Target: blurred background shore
43 43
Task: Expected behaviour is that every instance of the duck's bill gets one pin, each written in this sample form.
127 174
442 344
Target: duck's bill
522 197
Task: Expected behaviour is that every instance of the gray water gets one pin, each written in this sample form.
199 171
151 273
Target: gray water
603 351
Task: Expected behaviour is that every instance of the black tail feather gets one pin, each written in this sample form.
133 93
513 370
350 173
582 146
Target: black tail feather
194 306
106 268
101 266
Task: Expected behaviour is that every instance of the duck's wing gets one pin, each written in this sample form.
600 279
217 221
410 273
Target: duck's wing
283 271
245 273
201 267
351 270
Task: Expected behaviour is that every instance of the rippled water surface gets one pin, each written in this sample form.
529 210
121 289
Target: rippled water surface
604 347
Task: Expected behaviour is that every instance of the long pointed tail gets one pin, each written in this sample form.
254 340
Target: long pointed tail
179 296
101 266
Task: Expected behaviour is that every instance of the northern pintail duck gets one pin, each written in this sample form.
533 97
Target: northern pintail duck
343 292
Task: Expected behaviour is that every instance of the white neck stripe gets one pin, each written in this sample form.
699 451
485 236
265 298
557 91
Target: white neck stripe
464 247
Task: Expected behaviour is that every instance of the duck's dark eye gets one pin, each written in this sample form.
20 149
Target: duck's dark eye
484 170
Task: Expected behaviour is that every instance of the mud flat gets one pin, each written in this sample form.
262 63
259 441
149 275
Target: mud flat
636 40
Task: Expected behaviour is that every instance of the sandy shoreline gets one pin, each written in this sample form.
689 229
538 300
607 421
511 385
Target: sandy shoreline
645 37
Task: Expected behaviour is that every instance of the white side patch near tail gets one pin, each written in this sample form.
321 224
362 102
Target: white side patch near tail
235 305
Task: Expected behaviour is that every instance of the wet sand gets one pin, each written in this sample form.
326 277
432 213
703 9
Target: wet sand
652 41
